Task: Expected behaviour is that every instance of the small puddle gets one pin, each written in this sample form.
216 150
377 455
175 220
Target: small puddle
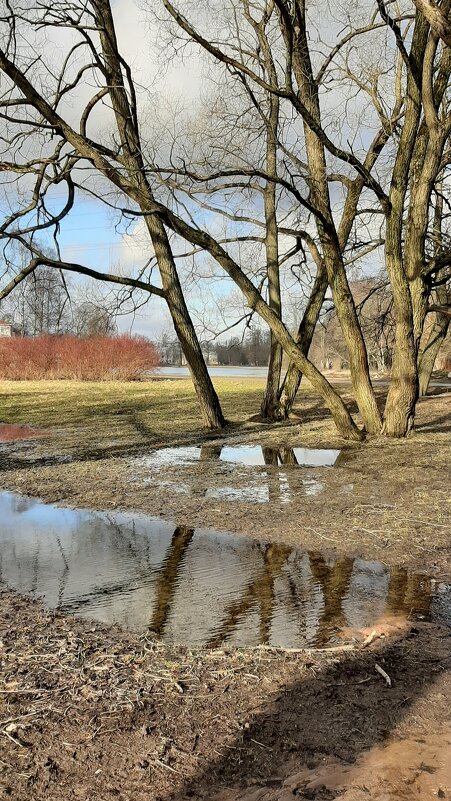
301 457
196 586
10 432
249 455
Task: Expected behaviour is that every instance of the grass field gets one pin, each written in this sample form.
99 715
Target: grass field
107 410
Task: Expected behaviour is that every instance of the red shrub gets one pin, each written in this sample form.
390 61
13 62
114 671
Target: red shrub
121 358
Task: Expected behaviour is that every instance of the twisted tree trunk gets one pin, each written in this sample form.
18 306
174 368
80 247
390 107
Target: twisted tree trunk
128 128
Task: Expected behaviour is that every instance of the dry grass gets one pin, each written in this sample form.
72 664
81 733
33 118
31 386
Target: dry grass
121 411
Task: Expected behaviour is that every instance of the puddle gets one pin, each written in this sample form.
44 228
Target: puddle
263 488
249 455
302 457
10 432
199 587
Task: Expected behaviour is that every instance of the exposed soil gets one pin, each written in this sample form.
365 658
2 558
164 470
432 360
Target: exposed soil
99 714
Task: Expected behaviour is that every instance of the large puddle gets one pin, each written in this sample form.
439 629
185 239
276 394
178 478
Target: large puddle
200 587
255 487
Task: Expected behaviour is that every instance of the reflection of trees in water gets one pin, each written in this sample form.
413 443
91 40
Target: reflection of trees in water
277 481
64 575
258 592
35 571
270 456
408 592
334 581
287 456
168 575
276 579
208 452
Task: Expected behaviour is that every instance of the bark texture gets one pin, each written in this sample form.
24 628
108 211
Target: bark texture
429 354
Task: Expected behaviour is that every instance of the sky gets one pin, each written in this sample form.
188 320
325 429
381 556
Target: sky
88 235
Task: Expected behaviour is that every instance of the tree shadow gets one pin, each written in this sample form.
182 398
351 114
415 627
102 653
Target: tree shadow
435 426
337 713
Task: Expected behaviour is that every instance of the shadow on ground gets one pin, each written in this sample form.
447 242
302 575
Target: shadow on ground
330 718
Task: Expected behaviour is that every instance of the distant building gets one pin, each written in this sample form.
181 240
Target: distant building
6 329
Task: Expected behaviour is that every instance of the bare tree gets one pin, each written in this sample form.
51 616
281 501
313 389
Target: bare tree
91 319
121 164
437 14
41 304
435 334
414 122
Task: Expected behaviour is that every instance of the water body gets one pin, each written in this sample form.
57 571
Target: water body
225 371
196 586
257 372
249 455
255 487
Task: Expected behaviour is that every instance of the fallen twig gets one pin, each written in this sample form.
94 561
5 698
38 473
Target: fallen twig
384 675
371 637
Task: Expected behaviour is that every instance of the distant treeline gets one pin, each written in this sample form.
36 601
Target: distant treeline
251 350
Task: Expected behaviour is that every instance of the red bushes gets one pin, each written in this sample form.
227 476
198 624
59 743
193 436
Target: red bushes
121 358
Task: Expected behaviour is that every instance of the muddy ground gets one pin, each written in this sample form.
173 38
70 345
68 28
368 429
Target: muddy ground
96 714
99 714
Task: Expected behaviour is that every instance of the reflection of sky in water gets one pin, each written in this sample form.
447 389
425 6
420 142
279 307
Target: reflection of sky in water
250 455
254 455
190 586
169 457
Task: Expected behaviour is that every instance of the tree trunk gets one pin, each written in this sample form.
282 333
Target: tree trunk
206 394
293 378
304 338
269 409
403 390
404 267
128 130
430 352
270 402
332 254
